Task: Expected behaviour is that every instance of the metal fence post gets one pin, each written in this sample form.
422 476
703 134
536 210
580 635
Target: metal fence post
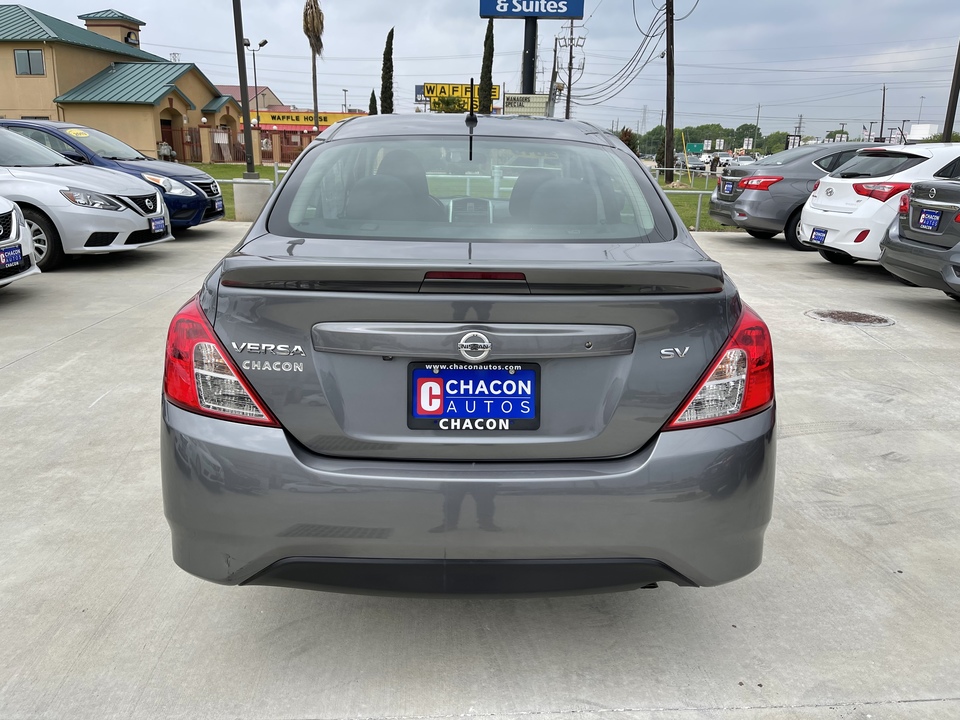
696 225
276 173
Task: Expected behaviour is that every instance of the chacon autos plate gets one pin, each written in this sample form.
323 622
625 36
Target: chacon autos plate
727 187
818 235
157 225
930 219
11 256
465 398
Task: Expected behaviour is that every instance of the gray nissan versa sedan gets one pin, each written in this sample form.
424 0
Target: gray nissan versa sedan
407 379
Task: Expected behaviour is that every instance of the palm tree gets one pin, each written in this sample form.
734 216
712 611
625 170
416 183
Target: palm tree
313 29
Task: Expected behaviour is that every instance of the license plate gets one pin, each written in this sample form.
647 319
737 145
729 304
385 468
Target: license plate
157 225
727 188
10 256
461 398
818 235
929 219
218 204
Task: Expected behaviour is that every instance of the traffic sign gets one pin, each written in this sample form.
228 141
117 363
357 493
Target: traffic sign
694 148
551 9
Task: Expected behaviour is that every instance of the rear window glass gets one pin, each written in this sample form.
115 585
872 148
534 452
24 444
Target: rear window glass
512 190
876 163
785 156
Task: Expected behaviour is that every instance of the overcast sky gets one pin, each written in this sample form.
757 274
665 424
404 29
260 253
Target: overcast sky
826 59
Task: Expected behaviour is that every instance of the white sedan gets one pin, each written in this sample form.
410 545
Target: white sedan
850 209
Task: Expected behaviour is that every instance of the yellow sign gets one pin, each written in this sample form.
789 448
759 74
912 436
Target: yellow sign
77 132
437 107
267 119
433 90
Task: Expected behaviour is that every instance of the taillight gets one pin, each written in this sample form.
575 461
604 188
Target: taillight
904 203
880 191
815 186
199 376
471 275
861 236
739 383
758 182
718 180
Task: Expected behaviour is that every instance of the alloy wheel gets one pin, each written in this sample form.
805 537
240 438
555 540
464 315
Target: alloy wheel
40 241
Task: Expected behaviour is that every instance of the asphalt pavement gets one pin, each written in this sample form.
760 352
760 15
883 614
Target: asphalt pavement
854 612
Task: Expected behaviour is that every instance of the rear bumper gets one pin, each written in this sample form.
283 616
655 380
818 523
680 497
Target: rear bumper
247 505
753 210
923 265
843 229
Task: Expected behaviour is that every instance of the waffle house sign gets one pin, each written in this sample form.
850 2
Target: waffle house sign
285 119
434 91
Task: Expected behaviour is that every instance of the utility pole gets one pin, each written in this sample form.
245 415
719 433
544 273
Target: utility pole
903 138
529 69
643 127
756 129
883 109
570 73
250 174
952 101
842 126
920 112
870 131
668 158
552 101
799 125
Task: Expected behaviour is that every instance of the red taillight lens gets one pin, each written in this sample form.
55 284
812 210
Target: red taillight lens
758 182
199 376
904 203
739 383
815 186
861 236
718 180
880 191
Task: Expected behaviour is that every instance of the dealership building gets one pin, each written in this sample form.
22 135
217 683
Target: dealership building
98 76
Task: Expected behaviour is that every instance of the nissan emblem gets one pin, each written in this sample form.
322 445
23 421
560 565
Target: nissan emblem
474 346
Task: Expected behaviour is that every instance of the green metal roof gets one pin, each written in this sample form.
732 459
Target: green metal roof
134 83
110 15
217 103
21 24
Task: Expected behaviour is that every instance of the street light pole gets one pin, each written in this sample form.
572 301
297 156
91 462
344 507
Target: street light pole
256 86
344 101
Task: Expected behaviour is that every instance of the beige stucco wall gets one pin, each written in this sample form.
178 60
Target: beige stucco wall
27 94
136 125
113 29
76 64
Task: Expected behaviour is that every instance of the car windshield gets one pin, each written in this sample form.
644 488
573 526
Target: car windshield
876 163
513 190
17 151
785 156
106 146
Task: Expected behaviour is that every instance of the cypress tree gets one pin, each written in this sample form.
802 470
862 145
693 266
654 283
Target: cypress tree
373 103
386 77
486 72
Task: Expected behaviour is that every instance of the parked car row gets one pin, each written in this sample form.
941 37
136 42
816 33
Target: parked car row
78 190
898 205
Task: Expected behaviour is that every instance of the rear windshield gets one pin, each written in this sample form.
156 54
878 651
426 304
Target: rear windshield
785 156
512 190
876 163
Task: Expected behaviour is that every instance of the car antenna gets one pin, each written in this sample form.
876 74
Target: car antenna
471 120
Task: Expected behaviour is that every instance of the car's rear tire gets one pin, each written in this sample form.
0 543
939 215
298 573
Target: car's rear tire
837 258
792 232
46 240
761 234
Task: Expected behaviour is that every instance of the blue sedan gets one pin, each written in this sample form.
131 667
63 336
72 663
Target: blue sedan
192 196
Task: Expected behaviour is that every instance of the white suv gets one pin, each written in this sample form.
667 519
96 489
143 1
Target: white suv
850 209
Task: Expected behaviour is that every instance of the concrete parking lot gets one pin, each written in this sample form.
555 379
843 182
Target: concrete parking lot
855 612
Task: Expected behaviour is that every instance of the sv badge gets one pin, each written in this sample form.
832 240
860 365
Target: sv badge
669 353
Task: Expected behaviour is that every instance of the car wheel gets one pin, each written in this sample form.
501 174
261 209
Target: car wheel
953 295
837 258
46 240
761 234
792 232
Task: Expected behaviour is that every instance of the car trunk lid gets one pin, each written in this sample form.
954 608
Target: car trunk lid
609 339
728 189
934 214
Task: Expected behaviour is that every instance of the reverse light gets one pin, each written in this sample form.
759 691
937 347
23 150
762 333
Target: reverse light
880 191
169 185
85 198
758 182
199 376
738 384
904 203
